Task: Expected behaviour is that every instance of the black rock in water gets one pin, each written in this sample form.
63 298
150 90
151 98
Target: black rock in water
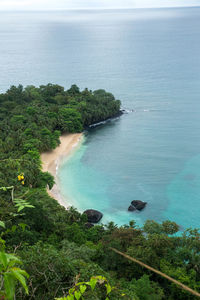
131 208
138 204
94 216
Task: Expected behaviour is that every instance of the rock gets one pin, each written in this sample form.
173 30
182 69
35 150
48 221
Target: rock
89 225
138 204
94 216
131 208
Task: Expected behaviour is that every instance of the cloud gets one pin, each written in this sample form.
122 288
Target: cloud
65 4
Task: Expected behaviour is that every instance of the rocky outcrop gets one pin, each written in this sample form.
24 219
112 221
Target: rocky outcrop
131 208
137 205
94 216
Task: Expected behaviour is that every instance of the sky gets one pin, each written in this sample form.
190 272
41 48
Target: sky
70 4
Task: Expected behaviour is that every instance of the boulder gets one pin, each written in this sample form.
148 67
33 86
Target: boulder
138 204
131 208
94 216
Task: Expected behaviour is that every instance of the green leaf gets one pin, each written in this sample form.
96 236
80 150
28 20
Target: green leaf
20 208
9 284
92 283
82 288
71 291
80 283
22 272
77 295
12 259
3 259
108 288
14 227
2 224
20 278
21 204
14 215
23 226
70 297
2 242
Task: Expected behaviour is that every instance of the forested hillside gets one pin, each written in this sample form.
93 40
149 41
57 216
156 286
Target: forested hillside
56 246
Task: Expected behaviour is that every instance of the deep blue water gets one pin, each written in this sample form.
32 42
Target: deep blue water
150 60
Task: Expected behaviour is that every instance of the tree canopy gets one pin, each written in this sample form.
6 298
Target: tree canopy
57 248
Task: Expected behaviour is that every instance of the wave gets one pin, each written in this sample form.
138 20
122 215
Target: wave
131 110
116 117
99 123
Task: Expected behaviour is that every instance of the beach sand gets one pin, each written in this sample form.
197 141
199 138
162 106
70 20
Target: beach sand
52 159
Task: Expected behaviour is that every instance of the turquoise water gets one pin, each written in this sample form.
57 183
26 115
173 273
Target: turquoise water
150 60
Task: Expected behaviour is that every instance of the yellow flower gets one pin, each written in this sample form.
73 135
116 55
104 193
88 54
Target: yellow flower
23 182
20 177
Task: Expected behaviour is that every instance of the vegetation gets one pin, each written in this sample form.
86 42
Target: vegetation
63 257
10 273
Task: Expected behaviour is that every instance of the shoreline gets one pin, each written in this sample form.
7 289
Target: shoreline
51 160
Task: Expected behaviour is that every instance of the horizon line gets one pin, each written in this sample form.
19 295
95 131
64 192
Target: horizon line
98 8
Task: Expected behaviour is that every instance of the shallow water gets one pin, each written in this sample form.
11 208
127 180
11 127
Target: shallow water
150 60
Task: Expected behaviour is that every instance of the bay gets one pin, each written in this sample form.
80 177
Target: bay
150 60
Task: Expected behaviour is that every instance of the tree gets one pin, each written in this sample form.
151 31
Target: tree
70 120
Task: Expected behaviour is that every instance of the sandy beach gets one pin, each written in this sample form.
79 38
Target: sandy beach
52 159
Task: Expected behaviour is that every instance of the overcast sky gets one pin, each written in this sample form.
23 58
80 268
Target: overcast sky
69 4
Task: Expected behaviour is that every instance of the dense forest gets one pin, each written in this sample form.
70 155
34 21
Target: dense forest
47 252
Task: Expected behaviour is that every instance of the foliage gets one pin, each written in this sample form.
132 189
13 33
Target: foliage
55 245
10 274
81 288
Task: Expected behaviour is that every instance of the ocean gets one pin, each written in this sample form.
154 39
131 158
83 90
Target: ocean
149 59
